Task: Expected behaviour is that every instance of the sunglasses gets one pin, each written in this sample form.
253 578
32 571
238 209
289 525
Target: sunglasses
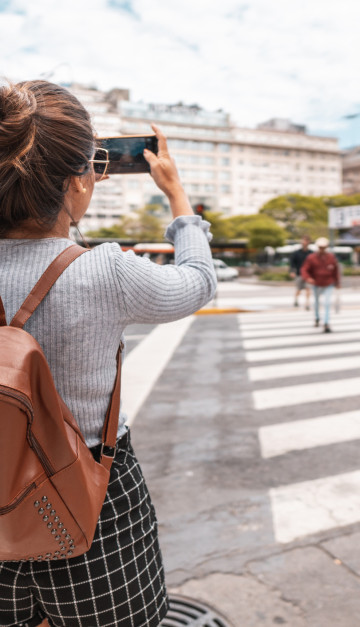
100 163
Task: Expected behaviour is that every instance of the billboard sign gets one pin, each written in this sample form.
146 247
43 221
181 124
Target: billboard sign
344 217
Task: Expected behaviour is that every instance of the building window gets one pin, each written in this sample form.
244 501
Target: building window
225 189
224 147
204 146
224 175
225 161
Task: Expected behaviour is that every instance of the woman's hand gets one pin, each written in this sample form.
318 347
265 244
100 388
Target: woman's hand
166 177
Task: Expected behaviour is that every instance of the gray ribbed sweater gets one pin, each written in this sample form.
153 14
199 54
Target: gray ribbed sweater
81 321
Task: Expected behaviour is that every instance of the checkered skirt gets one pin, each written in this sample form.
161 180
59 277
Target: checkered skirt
118 582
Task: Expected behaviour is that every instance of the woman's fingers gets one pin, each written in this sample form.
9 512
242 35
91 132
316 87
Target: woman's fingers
162 144
150 157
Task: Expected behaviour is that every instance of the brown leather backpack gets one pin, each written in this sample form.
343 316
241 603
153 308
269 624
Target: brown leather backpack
51 488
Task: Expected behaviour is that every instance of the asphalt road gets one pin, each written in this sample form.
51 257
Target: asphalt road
248 432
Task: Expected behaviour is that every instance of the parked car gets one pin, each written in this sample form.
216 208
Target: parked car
223 271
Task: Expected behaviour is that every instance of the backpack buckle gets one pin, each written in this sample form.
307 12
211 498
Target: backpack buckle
108 451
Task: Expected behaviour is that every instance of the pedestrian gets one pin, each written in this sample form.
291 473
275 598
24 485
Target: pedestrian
321 270
47 178
296 261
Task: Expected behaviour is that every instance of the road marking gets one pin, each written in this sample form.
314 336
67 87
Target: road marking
260 321
280 439
319 338
302 351
298 368
283 330
306 393
313 506
146 362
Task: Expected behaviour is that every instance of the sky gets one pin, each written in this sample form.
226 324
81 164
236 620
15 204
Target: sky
255 59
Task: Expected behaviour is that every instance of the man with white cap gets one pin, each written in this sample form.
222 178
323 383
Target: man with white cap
321 270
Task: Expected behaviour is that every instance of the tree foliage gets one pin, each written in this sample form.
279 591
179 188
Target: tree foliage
143 225
295 212
259 230
263 231
341 200
221 227
301 215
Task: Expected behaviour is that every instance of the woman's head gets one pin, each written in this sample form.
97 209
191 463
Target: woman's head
46 138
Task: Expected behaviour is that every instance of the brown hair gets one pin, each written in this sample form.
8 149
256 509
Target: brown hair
45 137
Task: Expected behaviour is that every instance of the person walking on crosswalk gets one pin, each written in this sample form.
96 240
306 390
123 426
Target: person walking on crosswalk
321 270
298 258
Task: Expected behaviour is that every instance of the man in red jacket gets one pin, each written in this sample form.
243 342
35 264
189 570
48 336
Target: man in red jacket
321 270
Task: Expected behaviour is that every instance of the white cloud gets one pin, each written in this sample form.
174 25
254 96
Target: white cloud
254 59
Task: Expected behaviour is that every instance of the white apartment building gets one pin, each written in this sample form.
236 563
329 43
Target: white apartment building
227 168
351 170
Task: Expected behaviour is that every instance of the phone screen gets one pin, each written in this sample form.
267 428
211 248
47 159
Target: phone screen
126 153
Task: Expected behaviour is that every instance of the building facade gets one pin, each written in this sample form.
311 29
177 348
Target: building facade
351 170
222 166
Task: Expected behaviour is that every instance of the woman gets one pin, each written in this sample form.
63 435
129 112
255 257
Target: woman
47 179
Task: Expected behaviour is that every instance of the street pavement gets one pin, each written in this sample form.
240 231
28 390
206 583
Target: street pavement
247 427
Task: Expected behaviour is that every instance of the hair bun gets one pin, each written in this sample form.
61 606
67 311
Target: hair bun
17 125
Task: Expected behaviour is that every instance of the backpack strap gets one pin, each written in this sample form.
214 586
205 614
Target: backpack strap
44 284
109 433
37 294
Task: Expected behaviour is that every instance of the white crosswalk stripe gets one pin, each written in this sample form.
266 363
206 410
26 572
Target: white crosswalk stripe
281 439
303 351
307 393
312 338
141 370
281 330
313 506
305 507
298 368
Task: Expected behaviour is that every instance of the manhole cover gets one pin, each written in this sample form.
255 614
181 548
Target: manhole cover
185 611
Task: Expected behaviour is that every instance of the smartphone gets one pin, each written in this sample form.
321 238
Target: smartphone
126 153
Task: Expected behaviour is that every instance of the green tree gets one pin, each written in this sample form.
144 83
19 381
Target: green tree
263 232
295 213
143 225
341 200
221 227
259 230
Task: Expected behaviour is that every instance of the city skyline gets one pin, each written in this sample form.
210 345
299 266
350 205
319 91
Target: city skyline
253 60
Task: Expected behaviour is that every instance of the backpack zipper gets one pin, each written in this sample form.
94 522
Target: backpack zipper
49 469
19 397
9 508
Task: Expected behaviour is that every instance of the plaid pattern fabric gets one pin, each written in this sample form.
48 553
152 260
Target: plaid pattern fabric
118 582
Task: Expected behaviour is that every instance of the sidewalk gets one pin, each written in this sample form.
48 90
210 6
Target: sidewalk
310 586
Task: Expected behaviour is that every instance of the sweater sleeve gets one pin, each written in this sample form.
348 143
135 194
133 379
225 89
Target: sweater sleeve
151 293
